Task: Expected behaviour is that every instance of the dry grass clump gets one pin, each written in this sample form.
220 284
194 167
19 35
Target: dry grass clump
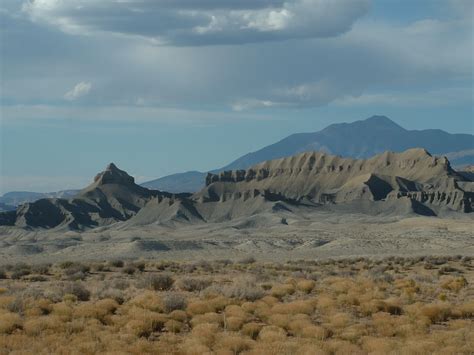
272 333
305 286
174 301
207 318
232 343
204 334
157 282
360 306
9 322
282 290
92 312
197 307
438 312
77 290
295 307
173 326
242 289
147 300
143 324
454 284
251 329
178 315
233 323
192 284
115 294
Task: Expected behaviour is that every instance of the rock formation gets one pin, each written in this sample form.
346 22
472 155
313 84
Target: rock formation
112 197
322 178
409 182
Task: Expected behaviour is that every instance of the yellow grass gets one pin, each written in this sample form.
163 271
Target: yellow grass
353 308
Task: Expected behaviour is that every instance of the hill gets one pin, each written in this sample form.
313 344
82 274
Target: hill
113 196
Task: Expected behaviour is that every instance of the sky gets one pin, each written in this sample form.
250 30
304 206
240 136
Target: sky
166 86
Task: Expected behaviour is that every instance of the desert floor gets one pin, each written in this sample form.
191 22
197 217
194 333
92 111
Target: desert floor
267 237
412 305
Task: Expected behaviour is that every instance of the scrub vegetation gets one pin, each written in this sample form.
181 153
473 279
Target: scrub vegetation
422 305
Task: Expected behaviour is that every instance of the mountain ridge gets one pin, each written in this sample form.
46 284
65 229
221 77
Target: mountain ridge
323 178
460 153
410 182
359 139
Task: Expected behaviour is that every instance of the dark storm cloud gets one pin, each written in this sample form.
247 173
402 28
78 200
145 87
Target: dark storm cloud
202 22
211 4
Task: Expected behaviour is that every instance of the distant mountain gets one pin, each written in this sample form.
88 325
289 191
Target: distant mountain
5 207
181 182
468 172
360 139
16 198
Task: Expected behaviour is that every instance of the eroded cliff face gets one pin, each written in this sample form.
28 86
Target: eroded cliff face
324 178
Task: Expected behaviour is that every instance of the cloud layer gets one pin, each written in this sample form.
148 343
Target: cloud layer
208 22
161 74
217 55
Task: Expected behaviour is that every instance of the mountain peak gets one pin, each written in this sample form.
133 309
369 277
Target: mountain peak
380 120
112 167
373 123
113 175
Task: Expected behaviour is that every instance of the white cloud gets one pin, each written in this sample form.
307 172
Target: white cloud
117 113
248 104
432 98
270 20
306 94
81 89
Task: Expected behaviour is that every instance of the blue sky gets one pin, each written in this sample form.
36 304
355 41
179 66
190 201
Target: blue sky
161 86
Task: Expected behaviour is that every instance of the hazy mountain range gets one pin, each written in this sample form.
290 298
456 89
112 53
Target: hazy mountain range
10 200
359 139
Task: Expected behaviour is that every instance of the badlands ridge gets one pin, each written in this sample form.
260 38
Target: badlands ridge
411 182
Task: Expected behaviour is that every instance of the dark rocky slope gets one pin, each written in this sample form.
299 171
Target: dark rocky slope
112 197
